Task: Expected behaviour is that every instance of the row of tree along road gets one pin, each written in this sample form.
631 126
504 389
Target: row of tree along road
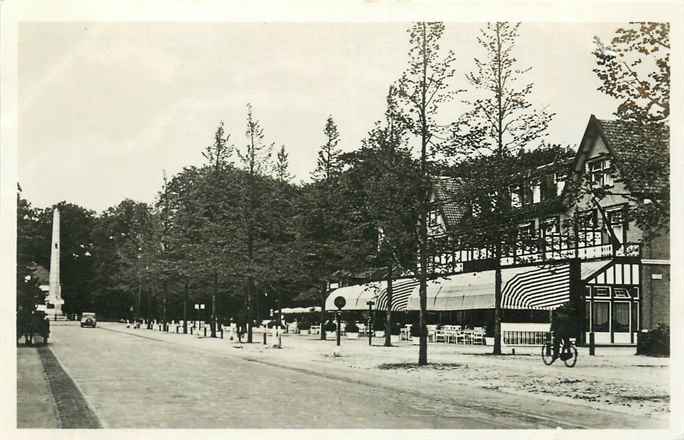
238 235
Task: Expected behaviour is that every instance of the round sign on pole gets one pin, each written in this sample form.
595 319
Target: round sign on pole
340 302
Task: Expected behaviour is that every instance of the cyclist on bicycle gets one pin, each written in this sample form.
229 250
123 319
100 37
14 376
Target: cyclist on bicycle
563 327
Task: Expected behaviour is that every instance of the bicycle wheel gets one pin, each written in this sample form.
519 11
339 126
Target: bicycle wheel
547 354
570 360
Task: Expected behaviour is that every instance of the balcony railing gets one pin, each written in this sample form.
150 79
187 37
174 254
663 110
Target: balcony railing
527 256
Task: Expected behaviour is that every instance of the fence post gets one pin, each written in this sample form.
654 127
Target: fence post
592 344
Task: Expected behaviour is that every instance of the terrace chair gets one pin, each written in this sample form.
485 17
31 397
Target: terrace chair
441 334
431 332
478 335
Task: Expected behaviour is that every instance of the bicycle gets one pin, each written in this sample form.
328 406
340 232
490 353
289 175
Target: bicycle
568 354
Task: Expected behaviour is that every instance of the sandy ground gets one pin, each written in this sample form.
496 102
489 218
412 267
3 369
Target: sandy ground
615 378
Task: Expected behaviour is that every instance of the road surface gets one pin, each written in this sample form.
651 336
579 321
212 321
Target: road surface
142 381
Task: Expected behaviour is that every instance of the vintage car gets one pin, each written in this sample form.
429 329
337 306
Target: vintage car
88 320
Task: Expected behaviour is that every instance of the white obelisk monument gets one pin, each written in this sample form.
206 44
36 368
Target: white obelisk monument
54 299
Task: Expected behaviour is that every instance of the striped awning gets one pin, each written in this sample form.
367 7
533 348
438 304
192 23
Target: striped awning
540 288
401 290
467 291
356 297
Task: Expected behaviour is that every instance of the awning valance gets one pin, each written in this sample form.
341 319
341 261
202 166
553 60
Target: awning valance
535 288
467 291
356 297
295 310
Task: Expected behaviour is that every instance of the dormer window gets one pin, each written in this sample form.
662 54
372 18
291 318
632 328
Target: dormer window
432 218
599 172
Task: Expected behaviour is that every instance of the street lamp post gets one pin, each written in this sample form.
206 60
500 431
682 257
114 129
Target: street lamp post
370 322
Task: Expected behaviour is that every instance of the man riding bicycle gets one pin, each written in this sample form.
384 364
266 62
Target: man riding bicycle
563 327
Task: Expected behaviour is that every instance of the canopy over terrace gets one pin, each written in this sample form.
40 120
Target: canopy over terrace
467 291
523 288
356 297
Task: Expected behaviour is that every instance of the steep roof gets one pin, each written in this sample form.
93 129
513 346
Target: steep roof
633 143
445 190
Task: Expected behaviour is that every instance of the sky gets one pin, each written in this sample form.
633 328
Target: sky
104 108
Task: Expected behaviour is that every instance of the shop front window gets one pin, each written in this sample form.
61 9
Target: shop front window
621 317
599 314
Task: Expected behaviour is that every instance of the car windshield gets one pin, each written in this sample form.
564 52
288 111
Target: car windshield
88 315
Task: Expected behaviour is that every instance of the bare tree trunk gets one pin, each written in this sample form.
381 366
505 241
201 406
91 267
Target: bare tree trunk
323 312
250 291
424 194
212 325
388 313
497 309
185 308
164 306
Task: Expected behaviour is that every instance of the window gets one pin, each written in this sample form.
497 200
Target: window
621 317
516 200
620 292
599 172
589 234
599 317
616 218
588 219
526 237
551 226
559 179
536 191
432 217
602 291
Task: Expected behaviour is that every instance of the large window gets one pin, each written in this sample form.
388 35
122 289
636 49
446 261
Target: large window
599 313
599 172
621 317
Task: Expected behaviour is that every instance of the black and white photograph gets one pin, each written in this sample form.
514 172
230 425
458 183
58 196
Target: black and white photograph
386 220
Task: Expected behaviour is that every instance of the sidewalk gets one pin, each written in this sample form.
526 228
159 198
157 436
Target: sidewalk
614 380
35 405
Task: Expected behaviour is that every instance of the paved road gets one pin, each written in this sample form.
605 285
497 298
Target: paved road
139 381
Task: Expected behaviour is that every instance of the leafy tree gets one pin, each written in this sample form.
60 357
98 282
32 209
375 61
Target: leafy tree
421 90
500 124
29 245
386 174
122 259
255 159
634 68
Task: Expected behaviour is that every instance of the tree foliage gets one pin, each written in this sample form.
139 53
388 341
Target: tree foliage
634 68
